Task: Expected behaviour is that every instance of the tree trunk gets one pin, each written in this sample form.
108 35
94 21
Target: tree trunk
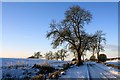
63 58
98 56
79 58
83 57
93 53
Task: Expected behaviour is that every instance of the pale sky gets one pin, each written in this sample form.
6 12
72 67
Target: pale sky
24 26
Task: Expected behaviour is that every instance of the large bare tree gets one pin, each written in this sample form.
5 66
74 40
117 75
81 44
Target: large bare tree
71 30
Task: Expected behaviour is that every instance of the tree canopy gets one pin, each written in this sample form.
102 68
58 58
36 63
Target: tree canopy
71 31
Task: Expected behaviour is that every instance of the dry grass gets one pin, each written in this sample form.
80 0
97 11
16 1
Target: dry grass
112 65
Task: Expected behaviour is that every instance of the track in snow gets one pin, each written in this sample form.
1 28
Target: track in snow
97 72
90 71
104 74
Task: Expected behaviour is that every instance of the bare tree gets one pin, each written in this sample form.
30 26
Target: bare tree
37 55
49 55
93 45
62 54
84 54
71 30
100 37
56 55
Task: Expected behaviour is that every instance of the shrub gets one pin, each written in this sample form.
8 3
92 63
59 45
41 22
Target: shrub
79 63
44 68
8 75
66 66
54 75
71 64
102 57
39 77
112 65
118 67
36 66
42 72
47 69
7 79
75 62
92 58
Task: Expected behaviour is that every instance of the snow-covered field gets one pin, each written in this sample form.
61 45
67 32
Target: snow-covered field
21 68
22 61
115 62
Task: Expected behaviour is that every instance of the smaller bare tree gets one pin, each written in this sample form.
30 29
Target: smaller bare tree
62 54
56 55
37 55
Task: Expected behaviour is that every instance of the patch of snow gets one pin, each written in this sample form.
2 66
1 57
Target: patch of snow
20 68
113 60
109 69
76 72
89 70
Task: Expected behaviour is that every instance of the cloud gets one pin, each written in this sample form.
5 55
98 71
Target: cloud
111 50
111 47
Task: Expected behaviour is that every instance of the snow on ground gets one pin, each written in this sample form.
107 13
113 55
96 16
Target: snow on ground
115 62
91 70
21 68
22 61
104 71
110 69
76 72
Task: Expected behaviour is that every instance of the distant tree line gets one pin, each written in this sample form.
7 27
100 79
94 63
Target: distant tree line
36 55
58 55
113 58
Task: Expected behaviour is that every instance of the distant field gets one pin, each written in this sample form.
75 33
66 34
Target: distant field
19 67
115 62
22 68
23 61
